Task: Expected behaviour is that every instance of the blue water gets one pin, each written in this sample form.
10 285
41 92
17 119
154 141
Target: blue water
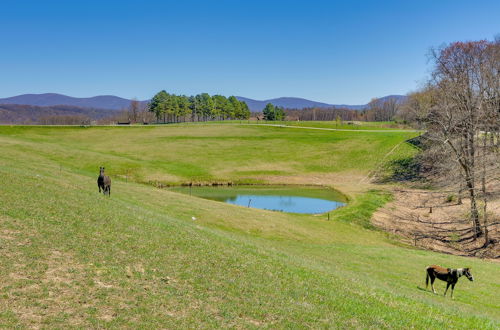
293 199
293 204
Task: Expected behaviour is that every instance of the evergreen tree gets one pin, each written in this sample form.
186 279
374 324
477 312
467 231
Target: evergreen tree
269 112
235 107
272 112
157 104
245 111
220 107
280 113
207 106
177 107
183 106
192 107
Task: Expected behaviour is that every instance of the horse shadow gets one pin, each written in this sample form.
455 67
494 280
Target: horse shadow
423 289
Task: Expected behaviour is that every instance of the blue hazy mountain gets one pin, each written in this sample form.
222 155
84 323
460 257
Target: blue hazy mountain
300 103
50 99
116 103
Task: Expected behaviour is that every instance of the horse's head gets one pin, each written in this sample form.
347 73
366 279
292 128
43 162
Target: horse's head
101 170
468 274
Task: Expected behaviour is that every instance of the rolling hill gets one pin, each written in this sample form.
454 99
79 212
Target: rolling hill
117 103
300 103
50 99
32 114
285 102
152 258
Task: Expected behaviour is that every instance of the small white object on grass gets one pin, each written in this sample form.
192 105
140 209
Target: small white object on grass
193 218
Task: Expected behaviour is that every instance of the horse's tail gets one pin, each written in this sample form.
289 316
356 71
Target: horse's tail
427 277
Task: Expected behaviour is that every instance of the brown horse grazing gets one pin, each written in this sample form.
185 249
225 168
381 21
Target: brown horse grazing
449 275
104 182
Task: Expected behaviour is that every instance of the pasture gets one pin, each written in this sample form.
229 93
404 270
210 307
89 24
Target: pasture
206 153
71 257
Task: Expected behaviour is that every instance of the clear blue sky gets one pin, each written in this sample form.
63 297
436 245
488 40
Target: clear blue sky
330 51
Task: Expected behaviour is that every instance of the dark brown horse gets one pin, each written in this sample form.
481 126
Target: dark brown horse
449 275
104 182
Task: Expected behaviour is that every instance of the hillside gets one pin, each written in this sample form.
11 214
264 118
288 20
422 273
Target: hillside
118 103
51 99
285 102
300 103
29 114
73 258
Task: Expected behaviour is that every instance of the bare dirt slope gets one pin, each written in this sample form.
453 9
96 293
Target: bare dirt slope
436 221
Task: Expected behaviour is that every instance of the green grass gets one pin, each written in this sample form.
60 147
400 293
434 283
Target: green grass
347 125
178 154
73 258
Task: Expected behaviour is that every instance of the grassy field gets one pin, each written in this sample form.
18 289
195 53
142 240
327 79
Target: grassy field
348 125
177 154
71 257
344 125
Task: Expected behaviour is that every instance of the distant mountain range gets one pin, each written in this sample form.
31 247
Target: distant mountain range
111 102
299 103
50 99
33 114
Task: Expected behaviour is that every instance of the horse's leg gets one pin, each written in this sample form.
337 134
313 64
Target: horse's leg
109 191
432 284
452 288
447 286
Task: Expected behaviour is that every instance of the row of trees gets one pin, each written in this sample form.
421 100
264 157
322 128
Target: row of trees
460 110
384 109
201 107
272 112
323 114
377 110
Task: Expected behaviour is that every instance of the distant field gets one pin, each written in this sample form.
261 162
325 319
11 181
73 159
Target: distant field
176 154
351 125
354 125
73 258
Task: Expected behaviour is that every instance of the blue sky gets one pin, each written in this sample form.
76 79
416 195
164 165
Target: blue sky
330 51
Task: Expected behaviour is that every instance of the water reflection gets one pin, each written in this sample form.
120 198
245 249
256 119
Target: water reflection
305 200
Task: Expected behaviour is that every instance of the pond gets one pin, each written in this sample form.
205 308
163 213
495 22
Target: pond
296 199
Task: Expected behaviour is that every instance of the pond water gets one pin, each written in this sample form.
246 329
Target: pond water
303 199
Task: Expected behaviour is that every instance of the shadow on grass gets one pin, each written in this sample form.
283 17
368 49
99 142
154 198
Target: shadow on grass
423 289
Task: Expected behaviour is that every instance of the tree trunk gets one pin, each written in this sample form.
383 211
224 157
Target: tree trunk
459 195
485 214
483 186
474 213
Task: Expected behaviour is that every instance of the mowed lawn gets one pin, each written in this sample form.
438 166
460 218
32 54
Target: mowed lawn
73 258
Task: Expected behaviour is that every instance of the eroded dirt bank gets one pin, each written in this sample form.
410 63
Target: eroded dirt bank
437 221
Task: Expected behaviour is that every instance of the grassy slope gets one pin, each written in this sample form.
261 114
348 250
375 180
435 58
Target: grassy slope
70 256
205 153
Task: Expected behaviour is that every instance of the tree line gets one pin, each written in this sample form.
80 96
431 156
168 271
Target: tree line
459 108
272 112
202 107
376 110
51 115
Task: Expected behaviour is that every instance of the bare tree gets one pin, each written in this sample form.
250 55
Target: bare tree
383 109
146 116
134 109
460 109
417 106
